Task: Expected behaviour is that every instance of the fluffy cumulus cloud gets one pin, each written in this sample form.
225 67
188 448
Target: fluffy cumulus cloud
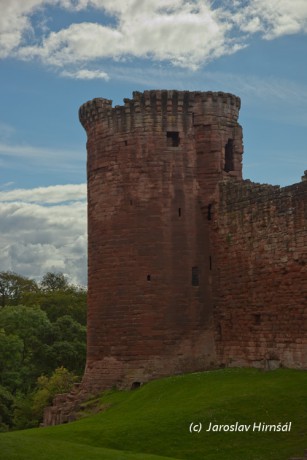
152 29
15 21
187 33
44 229
275 18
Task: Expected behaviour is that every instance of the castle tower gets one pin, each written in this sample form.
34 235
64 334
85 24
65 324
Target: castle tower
153 168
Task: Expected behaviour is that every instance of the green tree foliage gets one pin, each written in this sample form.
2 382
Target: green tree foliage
14 287
61 381
52 282
61 303
11 355
46 332
33 330
69 347
22 416
6 409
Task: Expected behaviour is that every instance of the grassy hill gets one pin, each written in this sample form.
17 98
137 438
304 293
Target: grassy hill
152 422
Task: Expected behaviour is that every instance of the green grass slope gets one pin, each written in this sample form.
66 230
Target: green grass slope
152 423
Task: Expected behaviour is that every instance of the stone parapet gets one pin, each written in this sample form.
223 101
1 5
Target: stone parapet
157 108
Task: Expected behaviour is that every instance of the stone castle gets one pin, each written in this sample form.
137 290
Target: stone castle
190 266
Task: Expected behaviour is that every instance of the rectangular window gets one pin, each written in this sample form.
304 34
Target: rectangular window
195 276
172 138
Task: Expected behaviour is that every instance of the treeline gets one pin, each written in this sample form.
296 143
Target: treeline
42 344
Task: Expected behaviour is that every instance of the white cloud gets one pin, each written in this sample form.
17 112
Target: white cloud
15 20
51 194
272 18
185 33
153 29
85 74
36 238
146 31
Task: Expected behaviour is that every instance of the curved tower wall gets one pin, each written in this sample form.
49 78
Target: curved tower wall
153 168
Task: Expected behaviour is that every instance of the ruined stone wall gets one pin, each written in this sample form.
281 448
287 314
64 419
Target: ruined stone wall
152 166
259 263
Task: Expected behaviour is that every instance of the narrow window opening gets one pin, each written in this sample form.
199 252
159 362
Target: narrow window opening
179 212
210 262
257 318
229 156
135 385
126 143
131 202
148 277
195 276
173 139
209 216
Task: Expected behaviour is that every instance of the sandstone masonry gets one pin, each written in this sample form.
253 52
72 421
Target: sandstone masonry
190 266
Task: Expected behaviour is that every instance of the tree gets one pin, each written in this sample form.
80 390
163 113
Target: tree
11 350
23 417
34 330
6 409
46 332
62 303
69 346
61 381
13 287
54 282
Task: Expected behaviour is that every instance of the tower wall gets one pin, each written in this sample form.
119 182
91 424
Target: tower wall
153 167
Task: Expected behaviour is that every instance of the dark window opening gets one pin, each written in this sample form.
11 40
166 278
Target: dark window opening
126 143
131 202
229 156
195 276
209 215
148 277
135 385
257 318
173 139
210 262
179 212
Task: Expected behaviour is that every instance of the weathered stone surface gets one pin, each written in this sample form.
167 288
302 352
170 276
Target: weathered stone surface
260 275
190 267
151 164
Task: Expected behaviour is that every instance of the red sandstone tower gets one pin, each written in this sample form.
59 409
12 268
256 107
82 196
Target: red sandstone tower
153 169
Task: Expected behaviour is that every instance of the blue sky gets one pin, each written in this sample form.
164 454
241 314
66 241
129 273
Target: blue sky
57 54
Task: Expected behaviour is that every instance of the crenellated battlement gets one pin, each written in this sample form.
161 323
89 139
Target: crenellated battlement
154 105
93 111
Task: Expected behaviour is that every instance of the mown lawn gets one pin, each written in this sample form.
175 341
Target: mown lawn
152 423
